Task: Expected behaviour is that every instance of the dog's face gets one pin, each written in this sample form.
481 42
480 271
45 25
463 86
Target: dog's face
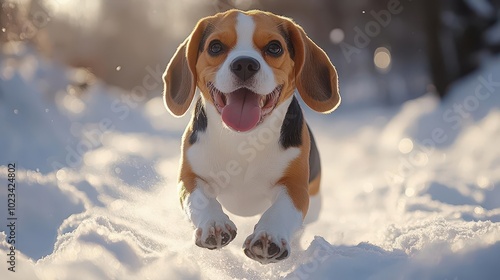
247 63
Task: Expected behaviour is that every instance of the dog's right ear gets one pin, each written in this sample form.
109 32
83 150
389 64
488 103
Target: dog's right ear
180 75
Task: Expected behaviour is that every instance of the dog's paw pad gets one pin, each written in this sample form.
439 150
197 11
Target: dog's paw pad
228 237
215 235
266 248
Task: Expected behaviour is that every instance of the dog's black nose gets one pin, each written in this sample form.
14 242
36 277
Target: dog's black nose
245 67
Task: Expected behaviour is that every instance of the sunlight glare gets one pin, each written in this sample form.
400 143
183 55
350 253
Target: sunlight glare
405 145
423 159
61 175
337 35
368 187
99 158
409 192
382 59
479 210
483 182
73 104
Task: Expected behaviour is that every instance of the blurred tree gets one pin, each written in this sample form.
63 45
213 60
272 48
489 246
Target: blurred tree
124 41
11 17
459 37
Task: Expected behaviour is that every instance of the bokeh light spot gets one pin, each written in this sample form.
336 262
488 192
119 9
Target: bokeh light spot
382 59
337 36
405 145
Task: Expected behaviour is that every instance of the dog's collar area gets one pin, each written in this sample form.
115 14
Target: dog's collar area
243 109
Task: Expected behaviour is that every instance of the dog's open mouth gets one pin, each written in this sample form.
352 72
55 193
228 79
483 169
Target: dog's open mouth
244 109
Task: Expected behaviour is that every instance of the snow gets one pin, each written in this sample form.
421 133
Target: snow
409 192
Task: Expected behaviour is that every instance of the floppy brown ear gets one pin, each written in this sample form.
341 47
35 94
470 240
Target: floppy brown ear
180 75
315 76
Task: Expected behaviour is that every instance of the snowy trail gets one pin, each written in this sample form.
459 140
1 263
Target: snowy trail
401 200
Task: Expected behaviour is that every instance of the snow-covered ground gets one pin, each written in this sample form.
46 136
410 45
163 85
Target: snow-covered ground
409 192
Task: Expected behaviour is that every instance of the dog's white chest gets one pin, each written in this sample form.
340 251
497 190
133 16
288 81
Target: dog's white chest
241 169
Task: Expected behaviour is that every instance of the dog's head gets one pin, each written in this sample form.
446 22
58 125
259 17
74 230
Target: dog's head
247 63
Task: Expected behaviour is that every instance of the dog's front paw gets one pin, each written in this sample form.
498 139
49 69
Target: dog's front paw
266 248
215 234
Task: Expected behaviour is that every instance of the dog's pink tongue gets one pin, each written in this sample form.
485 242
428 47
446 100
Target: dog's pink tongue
242 111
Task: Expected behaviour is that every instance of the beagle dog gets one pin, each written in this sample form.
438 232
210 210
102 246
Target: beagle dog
247 146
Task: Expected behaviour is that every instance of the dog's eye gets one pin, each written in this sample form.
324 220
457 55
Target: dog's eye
274 48
215 47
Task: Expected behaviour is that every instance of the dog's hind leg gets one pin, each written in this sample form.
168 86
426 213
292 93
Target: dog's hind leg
314 182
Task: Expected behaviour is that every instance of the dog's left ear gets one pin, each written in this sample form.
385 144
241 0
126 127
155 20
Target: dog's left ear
180 75
315 76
